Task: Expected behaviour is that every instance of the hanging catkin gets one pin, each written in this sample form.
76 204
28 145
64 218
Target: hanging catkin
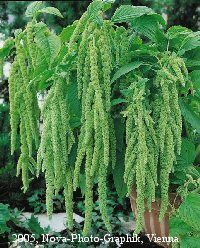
101 106
141 153
49 177
89 191
23 108
97 124
30 42
81 24
14 115
57 140
154 140
121 44
81 56
106 62
68 193
168 119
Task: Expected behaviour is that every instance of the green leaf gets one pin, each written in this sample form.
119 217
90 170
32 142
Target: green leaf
119 131
187 156
48 42
149 26
118 170
106 6
159 19
94 11
194 171
44 79
50 10
67 33
180 175
190 242
4 218
33 8
74 106
126 13
189 210
42 64
192 59
190 42
125 69
117 101
118 173
178 227
190 115
82 183
195 77
94 7
5 50
176 35
73 154
4 213
34 225
179 32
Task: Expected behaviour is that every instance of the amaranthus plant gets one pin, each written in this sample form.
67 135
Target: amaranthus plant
115 102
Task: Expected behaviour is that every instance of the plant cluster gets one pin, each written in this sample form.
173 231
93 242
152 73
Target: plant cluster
184 222
92 73
12 223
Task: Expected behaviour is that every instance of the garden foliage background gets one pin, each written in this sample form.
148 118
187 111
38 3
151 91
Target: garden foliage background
12 199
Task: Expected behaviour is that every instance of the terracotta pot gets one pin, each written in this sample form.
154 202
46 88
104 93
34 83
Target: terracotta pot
152 224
